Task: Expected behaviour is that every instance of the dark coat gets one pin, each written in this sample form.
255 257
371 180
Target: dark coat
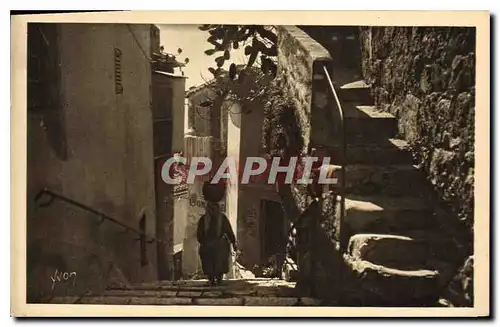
215 245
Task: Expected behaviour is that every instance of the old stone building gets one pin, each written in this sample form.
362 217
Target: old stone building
254 209
99 119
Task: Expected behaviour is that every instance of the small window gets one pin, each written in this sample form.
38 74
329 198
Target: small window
162 130
162 103
118 71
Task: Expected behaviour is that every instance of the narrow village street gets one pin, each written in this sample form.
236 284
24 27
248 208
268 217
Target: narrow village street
132 202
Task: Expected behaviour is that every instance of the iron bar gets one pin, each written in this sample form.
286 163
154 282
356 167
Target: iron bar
85 207
343 157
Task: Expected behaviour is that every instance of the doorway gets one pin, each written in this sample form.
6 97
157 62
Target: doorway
272 230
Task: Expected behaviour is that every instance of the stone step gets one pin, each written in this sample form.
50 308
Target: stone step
120 300
397 269
357 111
391 251
267 301
368 123
232 292
345 75
388 151
382 214
358 92
64 300
389 180
141 293
377 285
242 300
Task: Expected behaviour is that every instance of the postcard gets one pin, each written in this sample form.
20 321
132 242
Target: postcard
244 164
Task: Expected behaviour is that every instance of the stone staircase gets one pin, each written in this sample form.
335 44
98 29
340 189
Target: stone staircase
233 292
396 250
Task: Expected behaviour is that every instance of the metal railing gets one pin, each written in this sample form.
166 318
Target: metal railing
343 154
343 145
52 196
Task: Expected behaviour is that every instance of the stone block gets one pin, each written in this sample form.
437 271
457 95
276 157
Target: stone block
270 301
119 300
183 293
399 252
140 293
309 301
387 152
274 291
382 214
393 180
64 300
212 294
160 301
388 286
232 301
239 292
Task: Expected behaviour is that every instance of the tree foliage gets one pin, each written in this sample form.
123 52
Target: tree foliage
252 82
259 42
254 87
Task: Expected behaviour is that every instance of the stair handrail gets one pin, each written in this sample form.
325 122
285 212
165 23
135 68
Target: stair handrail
342 168
342 157
53 195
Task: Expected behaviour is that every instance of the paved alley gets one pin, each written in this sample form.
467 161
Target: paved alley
235 292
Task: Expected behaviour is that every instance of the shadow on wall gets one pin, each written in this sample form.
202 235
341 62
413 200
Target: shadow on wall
72 252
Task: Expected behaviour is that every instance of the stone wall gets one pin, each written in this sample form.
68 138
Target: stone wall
297 55
300 64
426 78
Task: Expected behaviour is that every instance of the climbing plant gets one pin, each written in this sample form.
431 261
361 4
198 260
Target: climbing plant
255 82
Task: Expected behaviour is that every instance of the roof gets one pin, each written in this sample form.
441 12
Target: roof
194 89
225 73
169 74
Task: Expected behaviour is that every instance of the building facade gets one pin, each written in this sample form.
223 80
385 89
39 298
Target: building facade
168 130
91 140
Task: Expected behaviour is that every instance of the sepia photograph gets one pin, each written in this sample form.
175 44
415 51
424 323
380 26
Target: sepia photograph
204 165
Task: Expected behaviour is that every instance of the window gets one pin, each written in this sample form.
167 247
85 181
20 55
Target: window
162 118
162 131
163 99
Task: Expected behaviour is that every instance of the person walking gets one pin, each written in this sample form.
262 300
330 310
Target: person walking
215 236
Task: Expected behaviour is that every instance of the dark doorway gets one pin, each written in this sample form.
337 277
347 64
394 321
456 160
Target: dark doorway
272 230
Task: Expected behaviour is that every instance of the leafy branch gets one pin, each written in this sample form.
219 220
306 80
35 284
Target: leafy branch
259 42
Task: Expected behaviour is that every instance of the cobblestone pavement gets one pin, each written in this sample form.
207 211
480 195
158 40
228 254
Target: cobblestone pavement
236 292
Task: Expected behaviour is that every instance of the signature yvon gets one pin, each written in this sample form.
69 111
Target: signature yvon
62 276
